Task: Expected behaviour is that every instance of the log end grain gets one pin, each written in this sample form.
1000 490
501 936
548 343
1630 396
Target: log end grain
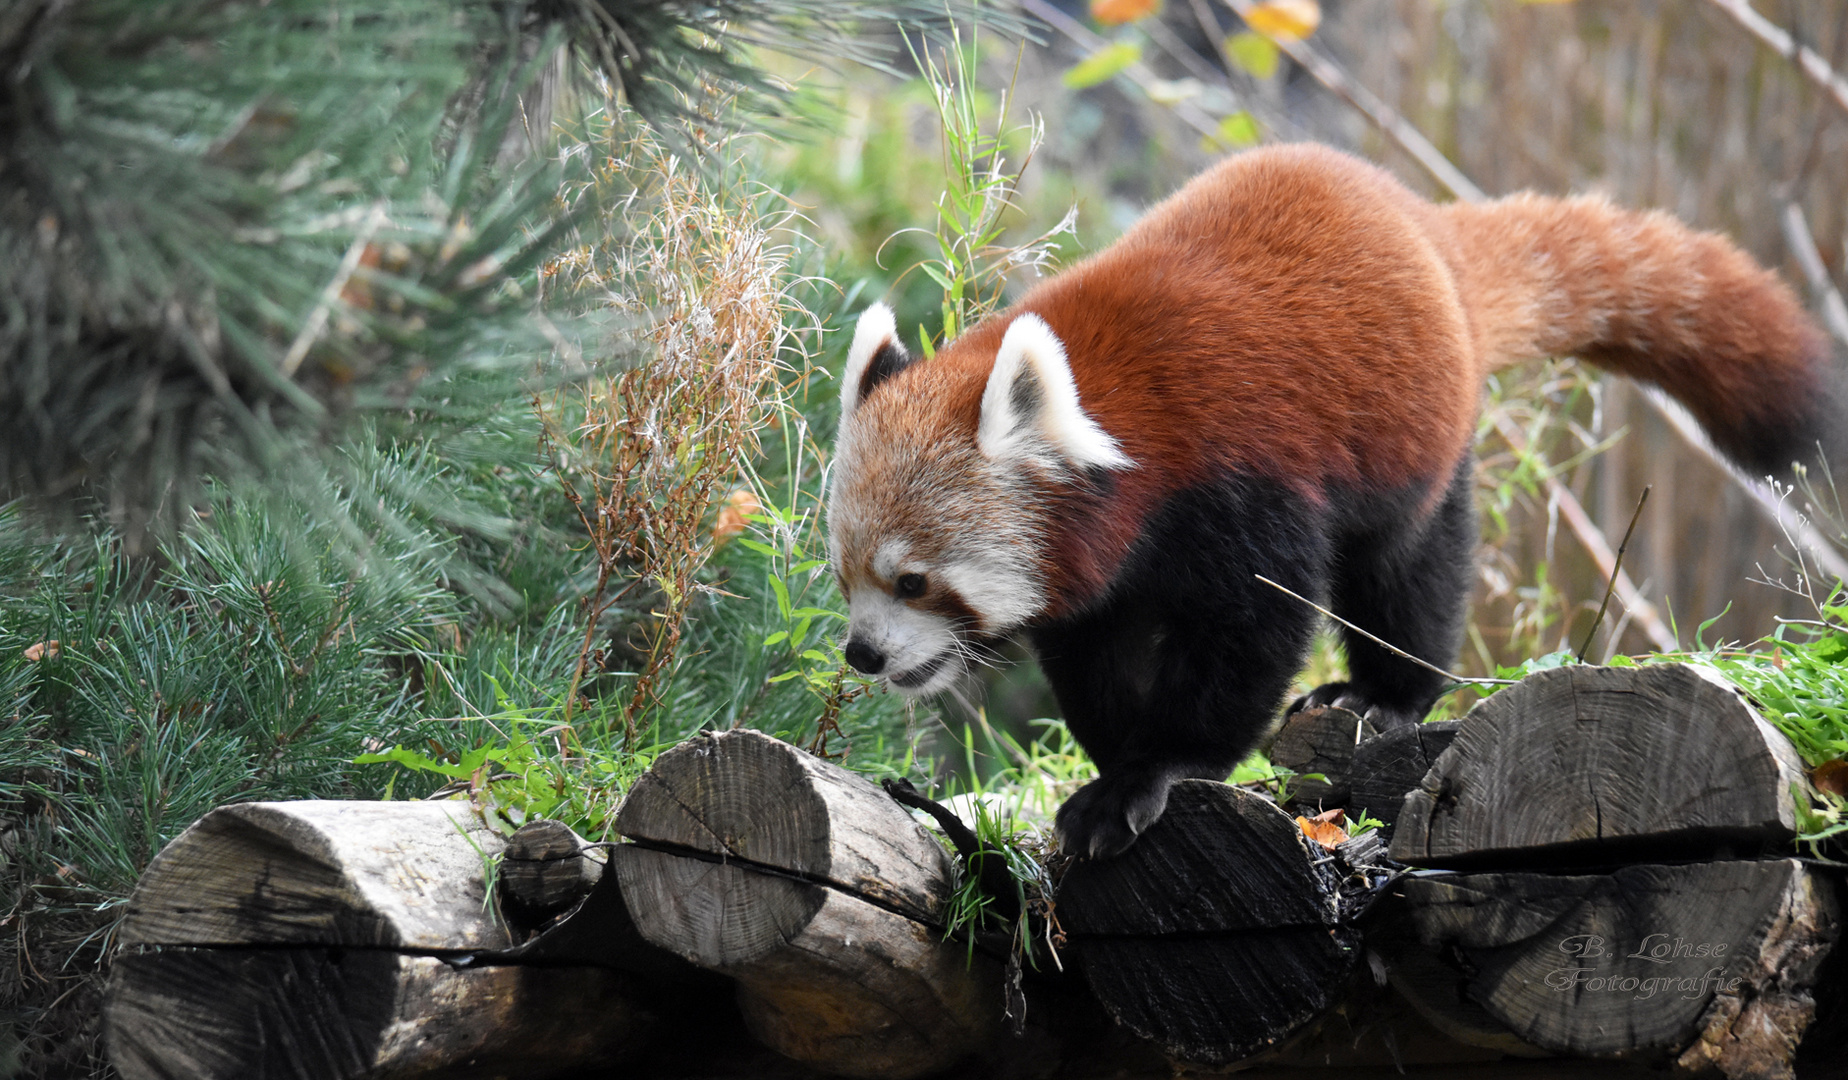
1648 961
814 891
544 871
744 796
1604 764
1318 745
1389 766
1217 936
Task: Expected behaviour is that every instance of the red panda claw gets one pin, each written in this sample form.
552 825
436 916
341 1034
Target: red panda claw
1103 819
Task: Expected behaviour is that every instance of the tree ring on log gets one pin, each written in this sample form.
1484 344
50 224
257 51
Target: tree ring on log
1218 934
1638 962
1389 766
1604 765
1320 742
818 894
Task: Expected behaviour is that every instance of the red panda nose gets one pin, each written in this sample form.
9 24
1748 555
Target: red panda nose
864 658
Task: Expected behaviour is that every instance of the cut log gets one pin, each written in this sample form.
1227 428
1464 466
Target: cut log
1712 963
401 875
544 871
1221 933
1433 984
1320 743
821 896
1584 765
319 1014
1390 765
343 940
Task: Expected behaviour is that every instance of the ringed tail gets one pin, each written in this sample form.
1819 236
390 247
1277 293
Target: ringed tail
1642 295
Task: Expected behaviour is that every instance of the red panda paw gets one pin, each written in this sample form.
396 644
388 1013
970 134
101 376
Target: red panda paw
1103 818
1342 695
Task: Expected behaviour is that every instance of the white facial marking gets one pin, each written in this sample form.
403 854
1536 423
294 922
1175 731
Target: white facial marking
889 558
876 327
1002 591
921 650
1030 405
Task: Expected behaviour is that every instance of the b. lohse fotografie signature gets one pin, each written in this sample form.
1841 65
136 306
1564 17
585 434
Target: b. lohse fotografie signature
1657 949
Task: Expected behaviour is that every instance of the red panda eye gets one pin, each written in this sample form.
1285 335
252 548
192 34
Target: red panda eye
909 586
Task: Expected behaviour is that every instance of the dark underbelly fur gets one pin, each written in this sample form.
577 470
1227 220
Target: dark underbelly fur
1180 669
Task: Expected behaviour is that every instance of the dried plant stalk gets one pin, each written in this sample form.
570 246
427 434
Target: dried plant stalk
695 263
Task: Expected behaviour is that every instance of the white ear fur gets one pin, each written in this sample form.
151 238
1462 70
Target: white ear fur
1031 402
876 327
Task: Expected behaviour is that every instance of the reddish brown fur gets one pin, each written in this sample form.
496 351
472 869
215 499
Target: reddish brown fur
1297 314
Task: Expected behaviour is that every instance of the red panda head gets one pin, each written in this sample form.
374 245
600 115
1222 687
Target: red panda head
935 519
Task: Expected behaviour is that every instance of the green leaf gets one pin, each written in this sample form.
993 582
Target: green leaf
1102 64
1240 129
411 759
776 638
1254 54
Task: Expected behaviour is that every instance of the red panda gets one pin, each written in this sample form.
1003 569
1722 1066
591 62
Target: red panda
1277 371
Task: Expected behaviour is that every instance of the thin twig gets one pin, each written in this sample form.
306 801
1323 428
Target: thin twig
317 319
1616 567
1802 244
1595 543
1793 525
1381 642
1781 41
1384 116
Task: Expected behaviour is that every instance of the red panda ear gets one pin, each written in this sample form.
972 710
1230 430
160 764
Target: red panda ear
1030 408
875 356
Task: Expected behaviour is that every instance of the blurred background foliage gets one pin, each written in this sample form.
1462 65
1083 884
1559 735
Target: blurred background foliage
437 398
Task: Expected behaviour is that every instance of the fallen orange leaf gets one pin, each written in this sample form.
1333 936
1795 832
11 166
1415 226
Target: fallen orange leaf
1118 12
1284 20
42 650
1325 828
1831 776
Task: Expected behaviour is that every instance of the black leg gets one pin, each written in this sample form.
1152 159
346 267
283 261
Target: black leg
1180 675
1407 583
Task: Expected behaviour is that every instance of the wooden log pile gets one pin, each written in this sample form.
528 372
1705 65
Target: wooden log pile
1596 863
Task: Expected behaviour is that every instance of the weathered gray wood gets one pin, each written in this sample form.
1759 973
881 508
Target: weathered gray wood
1712 962
1585 763
1220 934
817 893
1432 985
1320 741
407 875
333 940
1389 766
544 871
347 1014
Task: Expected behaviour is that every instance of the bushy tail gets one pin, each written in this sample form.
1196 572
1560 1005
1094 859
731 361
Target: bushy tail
1643 295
